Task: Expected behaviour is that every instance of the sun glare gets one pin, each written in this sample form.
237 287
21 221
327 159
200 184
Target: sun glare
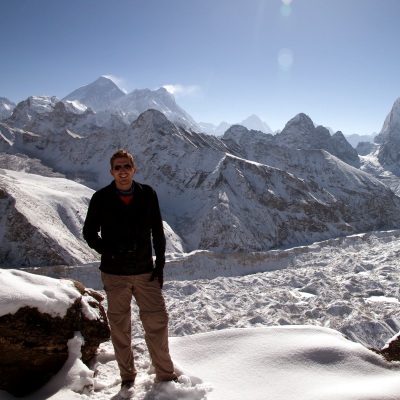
285 59
286 8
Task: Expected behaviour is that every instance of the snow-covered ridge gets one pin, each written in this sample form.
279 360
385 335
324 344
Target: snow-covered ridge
391 120
41 220
242 194
98 95
246 191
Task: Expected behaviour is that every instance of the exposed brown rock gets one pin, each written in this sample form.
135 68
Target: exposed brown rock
33 345
392 350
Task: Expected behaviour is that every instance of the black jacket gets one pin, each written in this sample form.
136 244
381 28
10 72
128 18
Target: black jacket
123 234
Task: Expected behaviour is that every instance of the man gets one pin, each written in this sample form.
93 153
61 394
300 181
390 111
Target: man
122 223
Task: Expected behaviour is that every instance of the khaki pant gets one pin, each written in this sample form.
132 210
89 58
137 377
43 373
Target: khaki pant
154 317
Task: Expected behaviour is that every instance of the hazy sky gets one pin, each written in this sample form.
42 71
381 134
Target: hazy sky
338 61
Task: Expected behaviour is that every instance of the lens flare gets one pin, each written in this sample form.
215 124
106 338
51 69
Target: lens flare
286 8
285 59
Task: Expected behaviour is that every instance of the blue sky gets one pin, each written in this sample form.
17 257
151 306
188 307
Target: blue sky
338 61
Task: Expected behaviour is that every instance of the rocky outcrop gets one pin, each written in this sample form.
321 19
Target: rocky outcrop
391 120
34 344
343 150
28 113
389 140
46 115
389 151
6 108
391 351
98 95
365 148
300 133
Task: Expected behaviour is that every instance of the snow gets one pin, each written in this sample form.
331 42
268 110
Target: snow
256 326
56 207
296 362
42 104
75 106
49 296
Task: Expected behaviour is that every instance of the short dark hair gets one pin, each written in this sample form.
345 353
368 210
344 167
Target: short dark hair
121 153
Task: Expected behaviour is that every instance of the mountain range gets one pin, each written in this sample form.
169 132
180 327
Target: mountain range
245 191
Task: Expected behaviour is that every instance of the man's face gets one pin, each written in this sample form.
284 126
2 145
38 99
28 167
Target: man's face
123 172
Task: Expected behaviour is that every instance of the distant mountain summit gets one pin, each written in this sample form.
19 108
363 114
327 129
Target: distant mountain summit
216 130
141 100
50 115
253 122
391 122
355 139
256 123
98 95
301 133
105 98
6 107
389 138
28 113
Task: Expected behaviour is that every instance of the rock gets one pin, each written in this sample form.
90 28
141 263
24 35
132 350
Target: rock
34 345
389 139
300 133
6 107
391 351
98 95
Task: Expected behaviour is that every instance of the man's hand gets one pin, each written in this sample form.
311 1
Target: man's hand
158 273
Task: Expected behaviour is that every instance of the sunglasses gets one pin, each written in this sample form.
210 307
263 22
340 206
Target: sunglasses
126 166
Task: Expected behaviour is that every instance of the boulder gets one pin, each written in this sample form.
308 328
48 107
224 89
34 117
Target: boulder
34 344
391 351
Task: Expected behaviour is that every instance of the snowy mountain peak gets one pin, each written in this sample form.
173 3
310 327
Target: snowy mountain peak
154 121
300 121
255 123
389 138
50 115
6 108
300 132
392 119
141 100
162 93
144 99
235 131
98 95
29 110
239 134
41 104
